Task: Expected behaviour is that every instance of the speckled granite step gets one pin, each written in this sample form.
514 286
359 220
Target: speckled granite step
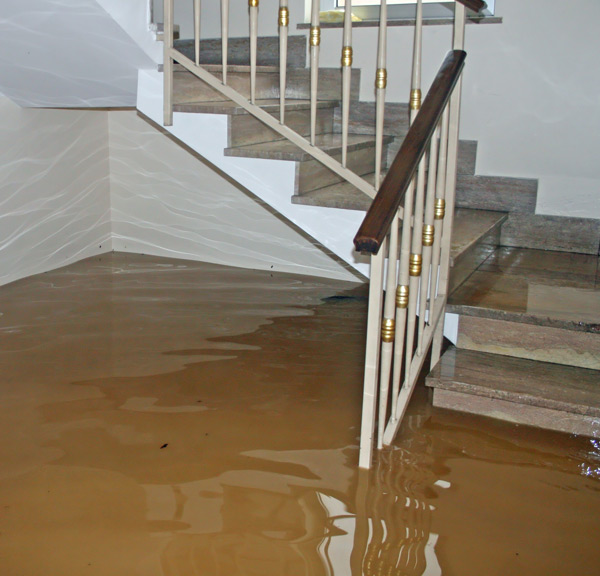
310 173
187 87
562 398
245 129
238 50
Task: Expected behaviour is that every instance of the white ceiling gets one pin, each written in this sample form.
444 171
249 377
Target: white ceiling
67 53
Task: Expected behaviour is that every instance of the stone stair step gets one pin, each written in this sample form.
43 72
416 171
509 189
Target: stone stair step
496 193
476 232
310 173
230 108
189 88
533 304
245 129
238 51
339 195
285 150
562 398
558 233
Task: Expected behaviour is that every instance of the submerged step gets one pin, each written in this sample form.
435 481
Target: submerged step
562 398
532 304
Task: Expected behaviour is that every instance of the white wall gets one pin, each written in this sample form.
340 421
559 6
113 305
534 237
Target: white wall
532 87
167 202
54 188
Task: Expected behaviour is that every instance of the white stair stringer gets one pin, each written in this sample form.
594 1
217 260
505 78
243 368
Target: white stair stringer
270 180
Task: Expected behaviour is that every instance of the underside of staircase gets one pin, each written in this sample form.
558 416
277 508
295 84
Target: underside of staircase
526 287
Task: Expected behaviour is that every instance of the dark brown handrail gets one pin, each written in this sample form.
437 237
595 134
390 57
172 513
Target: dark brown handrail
376 223
475 5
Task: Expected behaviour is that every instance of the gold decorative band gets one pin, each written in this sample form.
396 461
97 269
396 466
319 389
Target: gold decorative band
388 330
402 297
414 267
284 16
315 35
381 78
347 56
428 235
415 99
440 209
253 3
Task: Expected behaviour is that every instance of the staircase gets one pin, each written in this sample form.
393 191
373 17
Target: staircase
518 352
528 344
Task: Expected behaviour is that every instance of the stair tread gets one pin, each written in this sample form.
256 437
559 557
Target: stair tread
528 382
231 108
554 289
469 225
286 150
231 68
340 195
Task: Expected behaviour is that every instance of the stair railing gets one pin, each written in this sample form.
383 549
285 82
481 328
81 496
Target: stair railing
411 217
407 300
172 56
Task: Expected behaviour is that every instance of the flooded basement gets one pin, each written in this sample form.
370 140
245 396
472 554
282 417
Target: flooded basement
171 418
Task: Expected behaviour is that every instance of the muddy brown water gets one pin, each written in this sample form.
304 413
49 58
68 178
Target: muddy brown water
168 418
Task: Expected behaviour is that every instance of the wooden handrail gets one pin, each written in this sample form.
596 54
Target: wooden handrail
377 222
475 5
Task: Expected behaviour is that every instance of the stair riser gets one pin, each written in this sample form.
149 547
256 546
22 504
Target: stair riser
245 129
467 155
311 175
518 413
238 50
496 193
329 88
189 88
548 344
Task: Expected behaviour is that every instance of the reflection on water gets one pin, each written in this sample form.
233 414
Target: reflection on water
162 418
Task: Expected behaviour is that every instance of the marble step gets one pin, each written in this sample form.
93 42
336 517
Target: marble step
533 304
344 195
238 52
540 394
245 129
188 88
310 173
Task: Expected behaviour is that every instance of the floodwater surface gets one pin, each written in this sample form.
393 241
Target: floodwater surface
170 418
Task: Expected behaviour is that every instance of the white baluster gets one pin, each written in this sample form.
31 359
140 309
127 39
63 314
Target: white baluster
168 63
367 427
428 236
380 86
224 37
315 43
197 32
346 77
284 20
253 6
453 129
